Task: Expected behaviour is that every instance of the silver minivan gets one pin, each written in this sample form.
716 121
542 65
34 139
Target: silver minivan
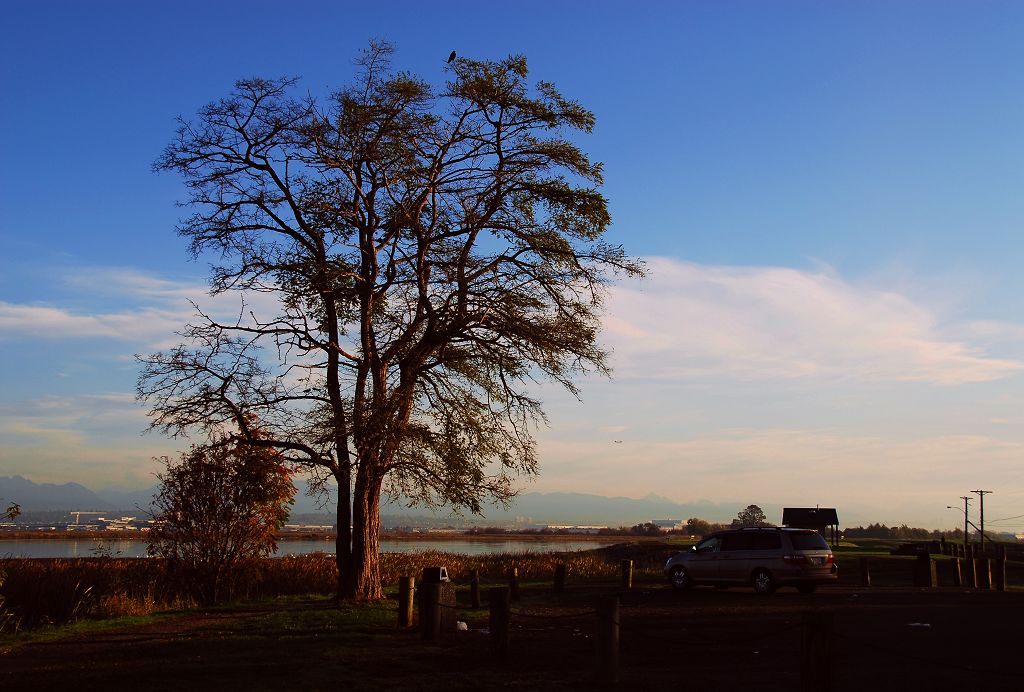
765 558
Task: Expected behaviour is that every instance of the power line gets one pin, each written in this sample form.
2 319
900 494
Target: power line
993 521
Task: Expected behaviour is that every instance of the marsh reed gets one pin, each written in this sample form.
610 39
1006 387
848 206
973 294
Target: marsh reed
39 592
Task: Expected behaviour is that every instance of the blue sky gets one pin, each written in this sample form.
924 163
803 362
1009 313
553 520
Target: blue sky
828 195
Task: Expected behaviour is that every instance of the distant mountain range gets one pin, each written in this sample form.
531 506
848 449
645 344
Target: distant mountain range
45 497
528 508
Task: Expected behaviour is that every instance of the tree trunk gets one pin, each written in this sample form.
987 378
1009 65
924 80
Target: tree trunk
363 579
343 543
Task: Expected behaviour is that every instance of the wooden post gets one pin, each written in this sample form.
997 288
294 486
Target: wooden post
608 640
498 599
560 570
474 588
816 652
406 592
513 583
958 576
627 575
972 569
430 610
865 572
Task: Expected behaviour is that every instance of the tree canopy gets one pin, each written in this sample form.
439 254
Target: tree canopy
413 259
751 515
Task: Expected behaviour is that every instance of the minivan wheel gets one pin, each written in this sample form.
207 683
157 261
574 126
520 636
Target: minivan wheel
763 582
680 578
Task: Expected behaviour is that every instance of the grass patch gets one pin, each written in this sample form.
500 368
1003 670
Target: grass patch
82 628
319 617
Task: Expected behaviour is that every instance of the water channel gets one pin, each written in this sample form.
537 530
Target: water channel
68 548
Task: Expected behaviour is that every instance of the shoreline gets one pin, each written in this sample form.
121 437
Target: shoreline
286 536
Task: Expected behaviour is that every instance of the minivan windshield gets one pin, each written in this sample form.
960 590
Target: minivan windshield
808 541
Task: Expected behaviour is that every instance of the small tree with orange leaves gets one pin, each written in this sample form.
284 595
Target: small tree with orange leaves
219 507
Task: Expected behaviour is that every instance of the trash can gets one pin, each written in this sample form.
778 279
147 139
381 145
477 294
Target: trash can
437 602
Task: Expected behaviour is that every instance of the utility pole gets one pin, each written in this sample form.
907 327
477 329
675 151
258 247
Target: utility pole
966 499
981 508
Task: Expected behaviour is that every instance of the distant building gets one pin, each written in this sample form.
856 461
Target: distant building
121 524
669 524
575 528
824 520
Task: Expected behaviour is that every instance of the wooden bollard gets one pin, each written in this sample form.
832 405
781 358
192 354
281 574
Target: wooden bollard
924 571
560 570
608 640
430 610
972 570
983 572
865 572
498 600
627 575
406 593
513 583
999 574
816 651
474 589
958 576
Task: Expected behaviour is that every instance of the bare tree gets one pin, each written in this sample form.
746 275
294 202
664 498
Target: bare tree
12 511
434 252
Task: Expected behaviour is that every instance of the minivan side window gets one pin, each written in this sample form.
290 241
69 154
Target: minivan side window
709 545
737 541
767 541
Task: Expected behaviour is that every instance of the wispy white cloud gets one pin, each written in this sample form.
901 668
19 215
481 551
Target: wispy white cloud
148 310
690 320
72 419
49 322
129 282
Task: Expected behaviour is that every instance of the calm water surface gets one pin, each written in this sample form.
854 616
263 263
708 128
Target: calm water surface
95 548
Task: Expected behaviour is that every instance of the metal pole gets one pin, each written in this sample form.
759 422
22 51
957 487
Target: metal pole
966 500
981 508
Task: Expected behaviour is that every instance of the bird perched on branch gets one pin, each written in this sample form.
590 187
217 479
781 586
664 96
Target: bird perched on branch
451 56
